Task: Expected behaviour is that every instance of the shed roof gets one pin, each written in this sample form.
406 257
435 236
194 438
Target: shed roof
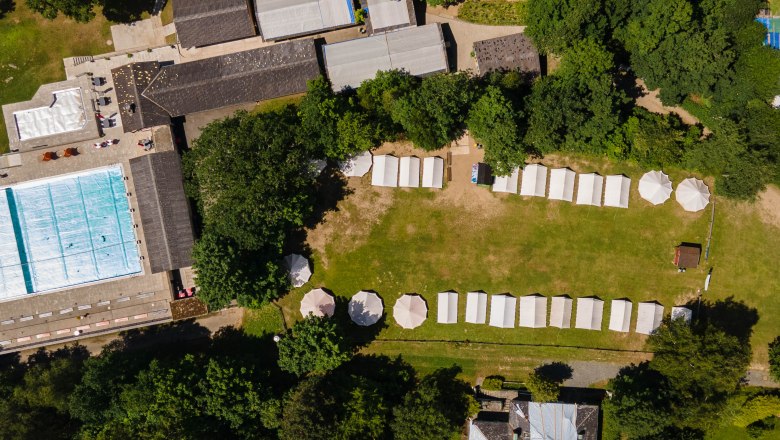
278 19
204 22
510 52
137 111
687 256
385 15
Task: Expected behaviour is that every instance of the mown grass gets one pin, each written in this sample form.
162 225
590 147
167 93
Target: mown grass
277 103
263 321
774 6
494 12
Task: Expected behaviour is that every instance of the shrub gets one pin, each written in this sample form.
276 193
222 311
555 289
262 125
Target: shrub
493 382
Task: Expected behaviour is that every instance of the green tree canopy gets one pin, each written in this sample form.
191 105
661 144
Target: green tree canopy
314 345
320 111
774 359
543 388
493 121
379 95
556 25
81 11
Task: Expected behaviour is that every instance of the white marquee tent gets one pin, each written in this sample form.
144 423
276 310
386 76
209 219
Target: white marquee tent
410 311
507 184
318 303
356 166
448 308
681 312
590 189
561 184
385 171
620 315
534 182
476 307
433 172
365 308
560 311
589 313
533 311
502 311
655 187
409 172
649 317
299 270
692 194
616 191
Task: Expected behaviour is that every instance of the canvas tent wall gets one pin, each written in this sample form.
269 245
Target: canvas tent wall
357 166
692 194
365 308
318 303
655 187
560 311
433 172
616 191
683 313
589 313
507 184
299 270
649 317
410 311
620 315
385 171
533 311
476 307
502 311
448 308
409 172
278 19
590 189
561 184
534 182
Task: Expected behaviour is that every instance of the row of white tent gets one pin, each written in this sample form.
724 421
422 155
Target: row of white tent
404 172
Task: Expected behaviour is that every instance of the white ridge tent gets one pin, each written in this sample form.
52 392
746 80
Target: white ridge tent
534 181
476 307
502 311
433 172
507 184
298 267
649 317
365 308
681 312
356 166
409 172
385 171
318 303
655 187
561 184
560 311
533 311
410 311
590 190
553 421
589 313
692 194
448 308
620 315
616 191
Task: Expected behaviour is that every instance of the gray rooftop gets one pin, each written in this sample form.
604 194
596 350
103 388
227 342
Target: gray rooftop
204 22
386 15
280 19
137 112
512 52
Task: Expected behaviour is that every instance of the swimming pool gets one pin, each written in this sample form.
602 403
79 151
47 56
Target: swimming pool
65 231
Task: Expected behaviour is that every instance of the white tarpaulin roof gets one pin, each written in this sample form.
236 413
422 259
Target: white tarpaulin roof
507 184
620 315
649 317
318 303
387 13
590 189
680 312
560 311
502 311
365 308
448 308
692 194
282 18
385 171
534 180
616 191
561 184
409 172
66 113
433 172
299 270
655 187
356 166
552 421
589 313
410 311
533 311
476 307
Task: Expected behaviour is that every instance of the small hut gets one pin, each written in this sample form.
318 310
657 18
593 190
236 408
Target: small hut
687 255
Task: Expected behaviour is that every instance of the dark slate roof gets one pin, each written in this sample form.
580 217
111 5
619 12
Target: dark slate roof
136 111
165 213
494 425
236 78
512 52
204 22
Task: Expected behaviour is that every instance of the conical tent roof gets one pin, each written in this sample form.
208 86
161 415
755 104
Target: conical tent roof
299 269
356 166
410 311
365 308
692 194
318 303
655 187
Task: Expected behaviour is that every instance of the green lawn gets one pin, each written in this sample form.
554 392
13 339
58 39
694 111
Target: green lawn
32 49
263 321
774 5
495 12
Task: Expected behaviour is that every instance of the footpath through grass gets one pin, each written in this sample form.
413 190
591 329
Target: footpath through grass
494 12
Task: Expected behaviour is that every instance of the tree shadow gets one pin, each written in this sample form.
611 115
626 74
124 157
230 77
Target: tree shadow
6 7
126 11
555 371
331 188
394 374
732 317
42 356
165 340
358 336
451 46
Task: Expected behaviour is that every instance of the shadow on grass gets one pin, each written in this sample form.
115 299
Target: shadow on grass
732 317
555 371
358 336
6 7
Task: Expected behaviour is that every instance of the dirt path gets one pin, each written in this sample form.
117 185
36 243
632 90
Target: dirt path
652 102
769 205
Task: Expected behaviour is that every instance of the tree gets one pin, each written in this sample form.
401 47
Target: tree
757 408
314 345
357 133
639 404
494 122
556 25
379 95
542 388
79 10
320 111
774 359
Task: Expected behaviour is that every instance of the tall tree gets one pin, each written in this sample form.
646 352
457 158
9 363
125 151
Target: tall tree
81 11
320 111
379 95
315 344
493 121
556 25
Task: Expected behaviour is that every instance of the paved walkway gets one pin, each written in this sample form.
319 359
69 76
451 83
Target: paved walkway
139 34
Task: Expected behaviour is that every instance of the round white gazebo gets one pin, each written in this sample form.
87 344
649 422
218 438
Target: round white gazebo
655 187
318 303
410 311
366 308
299 270
693 194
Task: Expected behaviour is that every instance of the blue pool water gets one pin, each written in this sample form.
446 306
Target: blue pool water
65 231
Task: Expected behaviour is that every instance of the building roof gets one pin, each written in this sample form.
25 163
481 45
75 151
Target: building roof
279 19
165 213
555 421
204 22
511 52
137 112
236 78
687 256
387 15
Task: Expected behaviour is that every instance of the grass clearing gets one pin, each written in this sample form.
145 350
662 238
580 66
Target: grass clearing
493 12
277 103
774 6
263 321
166 15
